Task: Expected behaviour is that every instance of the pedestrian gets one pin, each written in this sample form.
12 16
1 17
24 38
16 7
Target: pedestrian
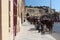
38 25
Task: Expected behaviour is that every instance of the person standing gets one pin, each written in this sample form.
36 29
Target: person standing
38 25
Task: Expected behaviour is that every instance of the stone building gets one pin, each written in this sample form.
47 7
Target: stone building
10 20
32 11
22 10
38 11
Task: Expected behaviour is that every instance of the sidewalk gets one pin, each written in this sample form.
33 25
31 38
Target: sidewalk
25 34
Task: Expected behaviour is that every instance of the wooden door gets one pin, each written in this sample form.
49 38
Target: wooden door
15 16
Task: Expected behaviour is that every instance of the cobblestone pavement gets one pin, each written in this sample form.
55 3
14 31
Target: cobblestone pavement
27 33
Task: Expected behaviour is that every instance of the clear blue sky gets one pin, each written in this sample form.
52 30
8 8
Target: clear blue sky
55 3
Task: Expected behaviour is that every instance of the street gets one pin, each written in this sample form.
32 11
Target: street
27 32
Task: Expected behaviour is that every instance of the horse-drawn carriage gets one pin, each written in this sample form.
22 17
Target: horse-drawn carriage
44 20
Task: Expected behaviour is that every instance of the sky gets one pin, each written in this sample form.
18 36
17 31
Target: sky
55 3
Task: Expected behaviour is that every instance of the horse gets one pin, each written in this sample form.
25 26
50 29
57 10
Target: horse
48 22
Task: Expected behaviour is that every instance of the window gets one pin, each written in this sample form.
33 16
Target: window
9 14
